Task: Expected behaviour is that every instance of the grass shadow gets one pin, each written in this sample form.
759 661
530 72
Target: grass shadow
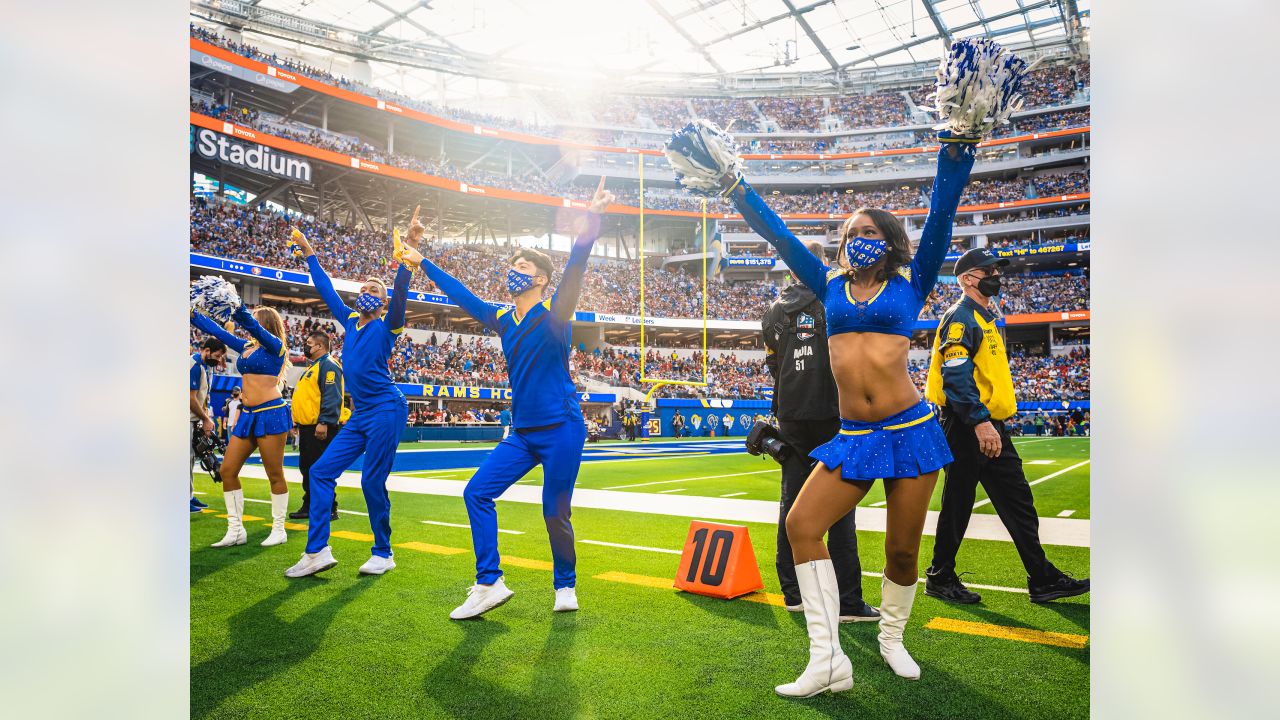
455 687
208 560
1080 655
262 645
737 609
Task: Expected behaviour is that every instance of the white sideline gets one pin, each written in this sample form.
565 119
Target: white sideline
704 477
1071 532
1050 476
630 547
468 527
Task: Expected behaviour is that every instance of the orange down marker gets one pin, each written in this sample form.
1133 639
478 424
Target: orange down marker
718 561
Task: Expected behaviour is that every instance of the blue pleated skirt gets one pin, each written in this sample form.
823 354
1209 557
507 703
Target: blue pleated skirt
908 444
270 418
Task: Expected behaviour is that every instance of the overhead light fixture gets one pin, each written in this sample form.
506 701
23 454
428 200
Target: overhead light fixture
853 47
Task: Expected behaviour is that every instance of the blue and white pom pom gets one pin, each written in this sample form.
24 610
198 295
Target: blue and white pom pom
701 154
215 297
979 87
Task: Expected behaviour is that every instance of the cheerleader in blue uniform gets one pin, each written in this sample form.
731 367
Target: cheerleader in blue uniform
371 331
872 296
264 418
547 426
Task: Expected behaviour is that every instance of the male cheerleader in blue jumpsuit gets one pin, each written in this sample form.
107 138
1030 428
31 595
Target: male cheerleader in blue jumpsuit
547 420
381 411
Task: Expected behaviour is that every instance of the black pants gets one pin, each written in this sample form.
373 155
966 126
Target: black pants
1006 485
310 448
842 542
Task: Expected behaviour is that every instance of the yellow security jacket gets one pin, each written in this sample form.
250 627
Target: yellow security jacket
318 397
969 371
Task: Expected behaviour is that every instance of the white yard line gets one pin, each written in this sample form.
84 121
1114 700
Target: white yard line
1071 532
1066 513
1040 462
664 492
468 527
882 503
733 494
704 477
998 588
1050 476
353 512
630 547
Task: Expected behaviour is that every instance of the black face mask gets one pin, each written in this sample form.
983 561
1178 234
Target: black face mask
989 286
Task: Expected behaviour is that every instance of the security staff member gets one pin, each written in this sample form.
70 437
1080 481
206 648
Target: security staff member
805 403
969 380
318 411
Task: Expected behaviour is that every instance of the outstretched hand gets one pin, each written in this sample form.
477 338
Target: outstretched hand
601 200
416 229
297 237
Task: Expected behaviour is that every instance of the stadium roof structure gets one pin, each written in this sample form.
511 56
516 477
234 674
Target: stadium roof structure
660 46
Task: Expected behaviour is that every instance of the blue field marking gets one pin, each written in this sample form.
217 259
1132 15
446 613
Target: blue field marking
449 458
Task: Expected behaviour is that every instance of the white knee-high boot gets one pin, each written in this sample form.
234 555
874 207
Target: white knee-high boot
895 610
279 508
829 668
235 523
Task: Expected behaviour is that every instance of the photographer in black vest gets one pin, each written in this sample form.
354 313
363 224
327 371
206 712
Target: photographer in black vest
805 403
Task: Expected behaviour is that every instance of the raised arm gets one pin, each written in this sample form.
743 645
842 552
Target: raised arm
319 278
955 161
570 289
207 326
809 269
246 320
399 299
457 292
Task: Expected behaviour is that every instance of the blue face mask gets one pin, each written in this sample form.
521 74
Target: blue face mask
368 303
863 252
518 282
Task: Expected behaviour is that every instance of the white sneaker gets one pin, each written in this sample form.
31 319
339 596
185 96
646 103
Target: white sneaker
377 565
794 608
312 563
566 600
481 599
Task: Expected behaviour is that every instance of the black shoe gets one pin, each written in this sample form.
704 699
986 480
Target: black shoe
946 585
1063 586
866 613
300 514
334 516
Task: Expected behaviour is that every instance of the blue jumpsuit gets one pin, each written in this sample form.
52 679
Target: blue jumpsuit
380 413
547 420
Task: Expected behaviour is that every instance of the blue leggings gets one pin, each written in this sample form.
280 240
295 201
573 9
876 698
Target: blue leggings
559 450
376 433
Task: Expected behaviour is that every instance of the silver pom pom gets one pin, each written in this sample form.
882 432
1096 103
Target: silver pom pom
979 87
215 297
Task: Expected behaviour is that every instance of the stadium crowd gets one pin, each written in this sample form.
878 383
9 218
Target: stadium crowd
906 196
240 233
1054 85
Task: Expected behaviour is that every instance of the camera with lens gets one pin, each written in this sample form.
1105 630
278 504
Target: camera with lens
764 439
207 449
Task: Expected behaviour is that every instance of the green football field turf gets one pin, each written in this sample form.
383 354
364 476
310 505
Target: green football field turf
344 646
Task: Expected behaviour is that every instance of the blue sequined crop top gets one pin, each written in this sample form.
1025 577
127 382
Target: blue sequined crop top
266 359
896 305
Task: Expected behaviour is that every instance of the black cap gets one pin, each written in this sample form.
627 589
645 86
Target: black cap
978 258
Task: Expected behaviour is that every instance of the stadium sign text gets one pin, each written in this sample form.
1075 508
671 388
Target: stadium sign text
219 147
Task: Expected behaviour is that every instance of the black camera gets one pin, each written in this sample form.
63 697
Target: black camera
207 448
765 439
